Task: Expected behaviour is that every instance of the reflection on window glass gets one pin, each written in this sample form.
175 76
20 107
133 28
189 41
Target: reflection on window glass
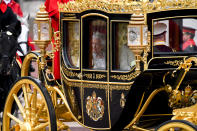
94 43
175 35
98 35
122 57
72 43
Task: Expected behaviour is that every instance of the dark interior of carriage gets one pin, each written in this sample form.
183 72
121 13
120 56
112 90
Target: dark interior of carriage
94 43
94 48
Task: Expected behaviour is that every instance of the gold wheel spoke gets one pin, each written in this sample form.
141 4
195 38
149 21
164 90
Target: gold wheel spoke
31 99
25 96
19 105
40 109
15 119
34 100
41 126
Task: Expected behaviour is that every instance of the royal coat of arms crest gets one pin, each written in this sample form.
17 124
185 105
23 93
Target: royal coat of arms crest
94 107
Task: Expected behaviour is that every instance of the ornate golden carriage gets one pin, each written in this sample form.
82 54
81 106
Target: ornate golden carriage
114 76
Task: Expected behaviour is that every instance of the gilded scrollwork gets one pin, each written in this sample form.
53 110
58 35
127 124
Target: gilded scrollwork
89 76
94 76
174 63
126 77
70 73
97 86
120 87
118 6
184 98
100 76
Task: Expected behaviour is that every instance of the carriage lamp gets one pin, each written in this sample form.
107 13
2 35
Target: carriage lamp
42 32
138 37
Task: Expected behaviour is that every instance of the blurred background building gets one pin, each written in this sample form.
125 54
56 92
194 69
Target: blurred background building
30 7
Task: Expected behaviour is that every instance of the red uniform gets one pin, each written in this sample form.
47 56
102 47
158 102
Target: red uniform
52 9
15 8
188 43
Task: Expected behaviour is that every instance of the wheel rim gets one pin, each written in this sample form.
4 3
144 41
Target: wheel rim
32 113
176 126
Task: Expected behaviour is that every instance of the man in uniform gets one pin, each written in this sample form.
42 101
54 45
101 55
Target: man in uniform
188 43
52 9
159 38
14 6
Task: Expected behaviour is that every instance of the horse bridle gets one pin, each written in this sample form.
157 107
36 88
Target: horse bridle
19 47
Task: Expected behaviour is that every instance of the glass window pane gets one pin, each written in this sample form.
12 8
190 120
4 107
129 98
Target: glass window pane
73 43
44 31
122 58
95 43
175 35
35 31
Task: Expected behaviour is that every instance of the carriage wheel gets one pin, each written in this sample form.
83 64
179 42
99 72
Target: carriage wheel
177 125
29 107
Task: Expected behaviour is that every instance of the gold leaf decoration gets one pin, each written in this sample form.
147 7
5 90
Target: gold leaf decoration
69 73
89 76
126 77
97 86
100 76
126 6
174 63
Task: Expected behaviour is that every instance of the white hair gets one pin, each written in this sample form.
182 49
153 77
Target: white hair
98 35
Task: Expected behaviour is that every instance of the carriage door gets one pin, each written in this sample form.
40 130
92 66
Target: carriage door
95 70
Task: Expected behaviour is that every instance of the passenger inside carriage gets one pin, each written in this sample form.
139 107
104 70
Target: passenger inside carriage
99 50
159 38
189 37
175 35
188 40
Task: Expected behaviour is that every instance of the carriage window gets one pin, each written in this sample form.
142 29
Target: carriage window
122 57
94 43
175 35
72 43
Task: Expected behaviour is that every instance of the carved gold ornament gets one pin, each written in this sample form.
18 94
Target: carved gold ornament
94 107
184 98
126 77
187 113
94 76
126 6
122 100
174 63
57 41
70 73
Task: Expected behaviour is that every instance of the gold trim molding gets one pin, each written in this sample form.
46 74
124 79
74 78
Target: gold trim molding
95 76
126 77
174 63
97 86
126 6
70 73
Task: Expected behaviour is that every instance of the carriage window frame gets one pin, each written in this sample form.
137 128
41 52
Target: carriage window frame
106 18
64 50
112 46
170 54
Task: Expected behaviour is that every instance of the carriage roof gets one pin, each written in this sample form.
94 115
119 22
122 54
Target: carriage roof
126 6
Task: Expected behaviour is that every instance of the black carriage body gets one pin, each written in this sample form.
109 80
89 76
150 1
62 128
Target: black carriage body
109 97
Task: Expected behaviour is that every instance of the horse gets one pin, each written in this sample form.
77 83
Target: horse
9 68
23 48
10 48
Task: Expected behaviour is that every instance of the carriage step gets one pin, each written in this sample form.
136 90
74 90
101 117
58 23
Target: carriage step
74 126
